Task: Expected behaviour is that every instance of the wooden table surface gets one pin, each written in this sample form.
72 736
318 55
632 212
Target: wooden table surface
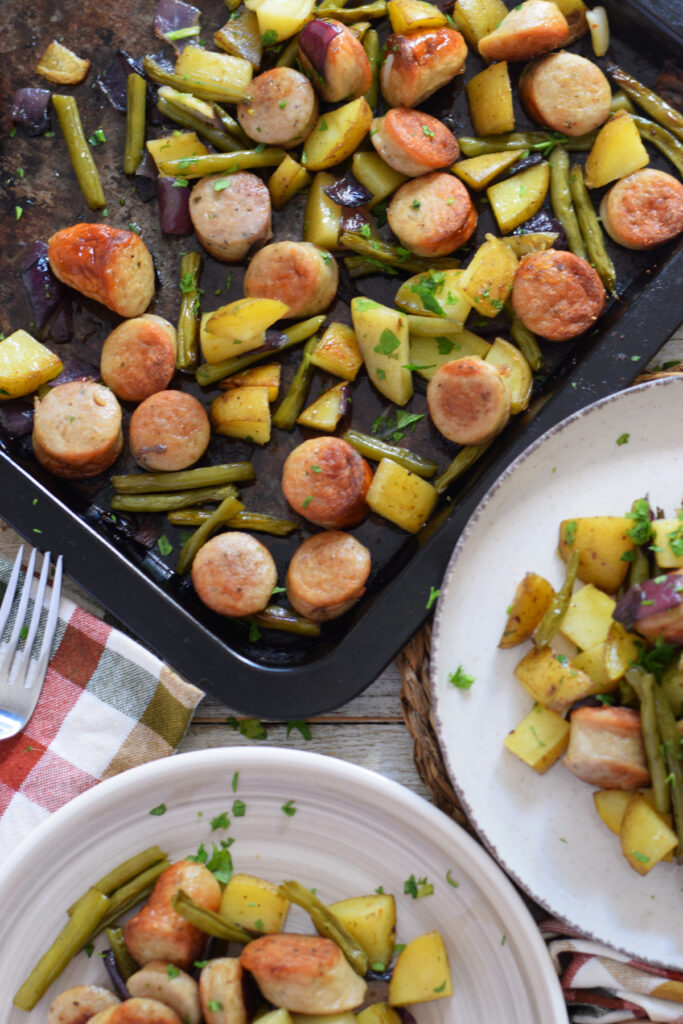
368 731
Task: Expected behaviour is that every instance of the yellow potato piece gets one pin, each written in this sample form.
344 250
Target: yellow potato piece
617 151
378 1013
61 65
337 134
610 805
422 972
266 376
371 920
645 837
382 335
621 650
441 288
592 661
413 15
428 353
488 277
400 496
238 327
479 171
286 180
182 146
243 413
337 352
280 19
553 681
377 176
489 95
195 64
323 216
588 617
602 542
477 18
540 739
514 370
665 533
529 605
25 365
517 198
325 413
254 903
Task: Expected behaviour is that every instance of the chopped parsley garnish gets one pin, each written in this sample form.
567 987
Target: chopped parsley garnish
417 887
239 808
433 595
426 130
173 971
425 288
282 104
570 532
392 425
365 230
641 531
158 810
301 726
18 212
675 539
322 126
388 343
307 501
289 809
220 862
214 1005
441 987
640 856
316 469
460 678
164 545
445 346
235 781
253 729
364 304
269 37
451 880
254 633
623 439
604 698
657 658
220 821
416 204
221 183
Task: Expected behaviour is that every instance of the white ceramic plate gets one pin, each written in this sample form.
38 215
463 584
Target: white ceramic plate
544 829
352 831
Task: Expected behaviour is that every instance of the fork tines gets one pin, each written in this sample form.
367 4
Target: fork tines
15 670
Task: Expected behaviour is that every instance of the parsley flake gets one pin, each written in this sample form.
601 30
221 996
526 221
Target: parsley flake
426 130
158 810
220 821
164 545
417 887
172 971
235 780
460 678
623 439
239 808
289 809
301 726
433 595
388 343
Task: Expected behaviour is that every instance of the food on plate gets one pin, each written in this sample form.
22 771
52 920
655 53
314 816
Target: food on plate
527 31
327 575
281 110
234 574
138 357
334 60
80 1004
617 151
489 95
238 327
138 1011
168 431
299 274
179 991
325 480
25 365
557 294
432 215
421 973
383 340
401 495
643 209
604 546
77 429
337 134
517 198
104 263
566 92
231 215
412 142
606 748
468 400
221 991
418 64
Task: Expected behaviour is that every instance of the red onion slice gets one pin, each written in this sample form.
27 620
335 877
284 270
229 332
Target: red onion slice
113 81
76 369
649 598
542 221
176 16
29 109
16 417
354 218
115 976
145 178
46 293
315 37
174 207
348 191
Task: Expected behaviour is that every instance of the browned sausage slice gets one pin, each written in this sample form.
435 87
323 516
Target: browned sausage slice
643 209
112 266
418 64
412 142
325 480
230 214
169 430
468 401
432 215
557 294
234 574
327 575
77 429
530 29
138 357
334 60
137 1011
79 1004
566 92
298 273
282 108
606 748
221 991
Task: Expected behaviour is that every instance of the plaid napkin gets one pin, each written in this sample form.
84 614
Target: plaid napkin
602 985
107 705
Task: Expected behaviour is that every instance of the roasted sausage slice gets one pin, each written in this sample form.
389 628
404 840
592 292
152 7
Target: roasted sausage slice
78 1005
234 574
325 480
298 273
112 266
221 993
643 209
138 357
468 401
412 142
327 575
174 988
77 429
334 60
566 92
282 108
606 748
530 29
137 1011
231 215
418 64
557 294
169 430
432 215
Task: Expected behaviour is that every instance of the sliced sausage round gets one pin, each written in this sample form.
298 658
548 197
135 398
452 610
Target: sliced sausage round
643 209
334 60
327 575
418 64
530 29
234 574
412 142
468 401
168 431
325 480
231 214
77 429
566 92
137 1011
432 215
557 294
176 989
221 991
79 1004
138 357
112 266
282 108
298 273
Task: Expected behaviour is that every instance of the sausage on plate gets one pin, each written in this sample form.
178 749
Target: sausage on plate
231 214
325 480
221 992
298 273
557 294
138 357
418 64
327 575
606 748
643 209
168 431
334 60
432 215
174 988
566 92
137 1011
77 429
468 401
79 1004
527 31
412 142
234 574
281 110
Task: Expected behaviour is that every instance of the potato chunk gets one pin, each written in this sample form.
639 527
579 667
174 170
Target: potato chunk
588 617
540 739
25 364
617 151
518 198
489 95
60 65
243 413
371 920
400 496
254 903
553 681
337 135
602 543
645 837
529 605
382 335
422 972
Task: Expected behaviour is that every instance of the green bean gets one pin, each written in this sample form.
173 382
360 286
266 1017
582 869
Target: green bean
620 101
91 910
291 405
372 48
187 346
276 617
124 961
393 255
227 509
561 200
218 139
643 683
325 5
184 480
671 742
326 923
79 151
672 686
124 873
658 109
202 90
373 448
209 373
557 609
171 502
290 53
208 921
432 326
639 569
591 230
628 697
526 339
136 889
231 126
136 109
665 142
540 141
223 163
258 521
232 5
378 9
465 458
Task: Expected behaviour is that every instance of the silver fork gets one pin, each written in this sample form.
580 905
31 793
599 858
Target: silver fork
21 679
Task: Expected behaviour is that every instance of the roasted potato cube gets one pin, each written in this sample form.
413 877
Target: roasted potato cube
421 972
327 410
610 805
489 95
602 543
238 327
376 175
286 180
254 903
621 650
477 18
242 413
529 605
514 370
553 681
668 543
518 198
480 171
540 739
413 15
382 335
178 146
400 496
337 134
589 617
378 1013
322 217
196 64
61 65
531 241
429 353
265 376
276 1017
25 365
280 19
592 661
435 294
371 920
617 151
337 352
345 1017
241 36
488 277
645 837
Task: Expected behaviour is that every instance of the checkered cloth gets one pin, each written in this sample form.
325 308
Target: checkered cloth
107 705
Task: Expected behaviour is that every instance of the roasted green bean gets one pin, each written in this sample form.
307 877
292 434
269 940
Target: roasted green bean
223 163
373 448
665 142
554 616
209 373
227 509
291 405
187 343
672 745
232 127
325 5
276 617
639 569
620 101
129 869
184 480
643 683
526 339
136 109
203 90
658 109
208 921
171 502
219 140
590 229
326 923
540 141
372 48
258 521
561 200
79 151
465 458
124 961
378 9
134 891
290 53
393 255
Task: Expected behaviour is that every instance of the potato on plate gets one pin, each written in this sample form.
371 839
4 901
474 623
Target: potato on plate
254 903
371 920
422 972
540 739
489 95
592 661
589 617
617 151
553 680
378 1013
25 365
621 650
382 335
645 837
400 496
530 603
337 134
602 543
667 542
518 198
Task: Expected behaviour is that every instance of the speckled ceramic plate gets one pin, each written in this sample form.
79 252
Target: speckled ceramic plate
544 829
351 831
